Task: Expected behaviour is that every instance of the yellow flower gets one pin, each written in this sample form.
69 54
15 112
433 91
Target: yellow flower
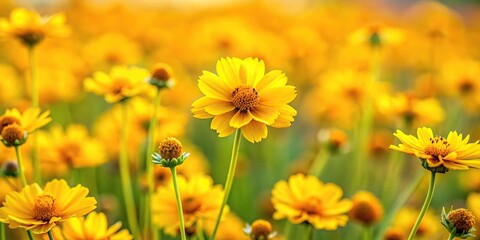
200 201
121 83
29 27
428 227
30 120
94 226
72 147
306 199
40 210
440 154
366 208
376 35
243 97
110 49
230 228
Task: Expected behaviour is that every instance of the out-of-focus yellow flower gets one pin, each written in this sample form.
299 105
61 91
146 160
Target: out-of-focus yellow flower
440 154
471 180
243 97
10 85
40 210
414 111
407 216
200 201
71 148
376 35
461 78
473 203
366 208
30 28
394 233
260 230
54 90
306 199
30 120
230 228
121 83
93 226
112 49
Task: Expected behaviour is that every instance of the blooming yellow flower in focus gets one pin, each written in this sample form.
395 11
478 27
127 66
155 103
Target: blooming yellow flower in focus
30 120
94 226
306 199
200 201
121 83
440 154
40 210
243 97
30 28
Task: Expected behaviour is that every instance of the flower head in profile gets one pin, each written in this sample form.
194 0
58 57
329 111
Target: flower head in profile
30 28
243 97
15 126
459 222
260 230
439 154
201 200
120 84
305 199
94 226
39 210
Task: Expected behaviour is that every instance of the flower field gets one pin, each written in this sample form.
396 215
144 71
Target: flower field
229 120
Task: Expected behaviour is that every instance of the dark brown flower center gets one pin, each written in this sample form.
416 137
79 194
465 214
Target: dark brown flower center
260 229
245 98
462 219
190 205
45 207
8 120
439 147
170 148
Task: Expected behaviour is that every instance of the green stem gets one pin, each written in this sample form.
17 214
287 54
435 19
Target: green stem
50 236
309 232
426 204
229 181
199 231
21 169
451 236
125 177
287 229
35 104
148 227
179 203
367 233
30 235
319 162
2 231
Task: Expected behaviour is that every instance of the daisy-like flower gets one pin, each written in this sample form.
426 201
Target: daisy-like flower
30 28
39 210
243 97
305 199
30 120
120 84
200 201
366 209
94 226
439 154
72 147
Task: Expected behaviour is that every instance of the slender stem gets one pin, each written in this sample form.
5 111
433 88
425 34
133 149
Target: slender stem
320 161
286 230
199 231
179 203
426 204
35 103
309 232
367 233
148 227
451 236
21 169
50 235
125 177
2 231
30 235
229 181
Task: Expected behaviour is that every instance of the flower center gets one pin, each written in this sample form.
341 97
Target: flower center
260 229
245 98
313 206
8 120
45 207
190 205
439 147
12 133
69 152
170 148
